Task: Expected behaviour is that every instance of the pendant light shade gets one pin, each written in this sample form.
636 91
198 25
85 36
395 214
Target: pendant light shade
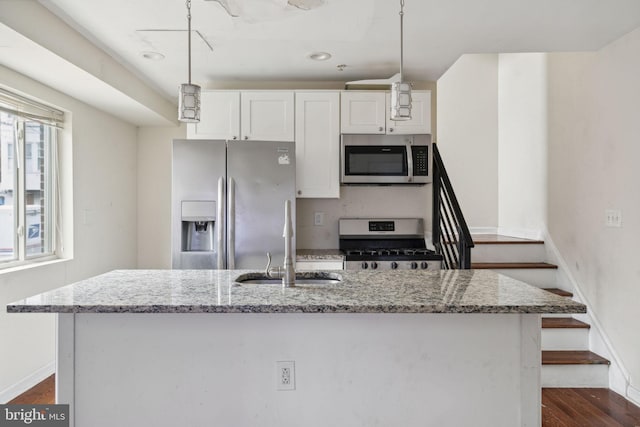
189 94
189 103
401 101
401 90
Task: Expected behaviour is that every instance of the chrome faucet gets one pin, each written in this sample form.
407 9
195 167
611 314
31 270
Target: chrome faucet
287 273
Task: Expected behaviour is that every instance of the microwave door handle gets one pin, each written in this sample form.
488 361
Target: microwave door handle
409 163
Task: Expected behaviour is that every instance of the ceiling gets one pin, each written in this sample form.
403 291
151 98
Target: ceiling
271 41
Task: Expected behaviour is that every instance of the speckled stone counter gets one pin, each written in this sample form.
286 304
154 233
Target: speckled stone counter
356 346
217 291
319 255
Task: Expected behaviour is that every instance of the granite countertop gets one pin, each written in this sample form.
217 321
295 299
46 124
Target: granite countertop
319 255
216 291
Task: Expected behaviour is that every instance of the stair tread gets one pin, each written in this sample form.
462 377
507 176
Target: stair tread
563 322
560 292
572 357
497 239
512 265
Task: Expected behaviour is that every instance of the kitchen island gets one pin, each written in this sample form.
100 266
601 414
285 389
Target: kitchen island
197 348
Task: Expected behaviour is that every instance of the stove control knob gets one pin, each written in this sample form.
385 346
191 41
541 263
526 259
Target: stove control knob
414 265
365 265
394 265
424 265
374 265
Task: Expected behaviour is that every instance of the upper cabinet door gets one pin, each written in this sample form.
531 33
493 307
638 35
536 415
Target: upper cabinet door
363 112
318 144
219 116
420 122
267 115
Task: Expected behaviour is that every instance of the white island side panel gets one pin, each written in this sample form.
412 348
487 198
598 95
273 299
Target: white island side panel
350 369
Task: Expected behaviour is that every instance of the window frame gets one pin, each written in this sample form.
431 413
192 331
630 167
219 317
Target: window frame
21 256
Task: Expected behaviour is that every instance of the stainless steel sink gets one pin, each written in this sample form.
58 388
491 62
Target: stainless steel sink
306 278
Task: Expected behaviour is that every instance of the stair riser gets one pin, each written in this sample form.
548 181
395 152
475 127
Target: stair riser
565 339
540 277
575 376
508 253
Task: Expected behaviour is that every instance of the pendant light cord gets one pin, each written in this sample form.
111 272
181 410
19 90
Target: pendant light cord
189 34
401 37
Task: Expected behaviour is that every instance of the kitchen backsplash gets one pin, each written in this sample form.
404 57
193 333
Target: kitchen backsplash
359 201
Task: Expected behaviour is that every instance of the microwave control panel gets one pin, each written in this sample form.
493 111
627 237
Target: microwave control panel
420 160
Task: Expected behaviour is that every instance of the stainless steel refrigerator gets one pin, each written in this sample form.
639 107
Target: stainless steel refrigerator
228 202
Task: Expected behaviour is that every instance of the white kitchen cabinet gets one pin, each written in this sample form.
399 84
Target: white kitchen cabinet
219 116
368 112
420 122
234 115
319 265
317 137
267 115
363 112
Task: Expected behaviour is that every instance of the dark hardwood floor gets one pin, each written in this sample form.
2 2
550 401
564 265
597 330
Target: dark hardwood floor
43 393
586 407
561 407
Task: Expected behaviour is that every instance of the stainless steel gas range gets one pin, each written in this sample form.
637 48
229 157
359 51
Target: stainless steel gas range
386 244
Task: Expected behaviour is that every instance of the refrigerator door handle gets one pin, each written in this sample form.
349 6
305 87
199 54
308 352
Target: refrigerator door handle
220 261
231 231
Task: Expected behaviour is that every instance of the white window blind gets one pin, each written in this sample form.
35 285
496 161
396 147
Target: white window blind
30 109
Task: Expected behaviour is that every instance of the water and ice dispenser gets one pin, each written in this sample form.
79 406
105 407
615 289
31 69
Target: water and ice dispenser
198 221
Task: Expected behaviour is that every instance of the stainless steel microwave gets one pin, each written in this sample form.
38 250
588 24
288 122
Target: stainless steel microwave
385 159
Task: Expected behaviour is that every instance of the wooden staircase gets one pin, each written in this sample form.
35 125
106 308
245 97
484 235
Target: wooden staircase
566 359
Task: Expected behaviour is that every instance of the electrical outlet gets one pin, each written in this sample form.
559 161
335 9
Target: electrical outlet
318 218
285 375
613 218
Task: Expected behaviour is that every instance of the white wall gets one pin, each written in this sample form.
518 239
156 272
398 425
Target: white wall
359 201
594 123
154 195
102 237
468 135
492 136
522 146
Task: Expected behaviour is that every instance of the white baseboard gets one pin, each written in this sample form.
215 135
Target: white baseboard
522 233
599 342
26 383
483 230
633 394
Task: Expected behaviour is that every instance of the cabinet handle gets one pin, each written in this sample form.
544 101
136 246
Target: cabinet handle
246 137
234 137
299 192
380 128
390 129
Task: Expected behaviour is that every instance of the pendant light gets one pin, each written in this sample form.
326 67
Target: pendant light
401 90
189 94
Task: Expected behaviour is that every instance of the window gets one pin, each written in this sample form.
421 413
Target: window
28 147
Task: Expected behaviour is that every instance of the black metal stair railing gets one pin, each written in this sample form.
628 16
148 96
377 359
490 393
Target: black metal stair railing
450 234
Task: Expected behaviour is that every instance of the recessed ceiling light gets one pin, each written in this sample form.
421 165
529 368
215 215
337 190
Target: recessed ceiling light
320 56
153 56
